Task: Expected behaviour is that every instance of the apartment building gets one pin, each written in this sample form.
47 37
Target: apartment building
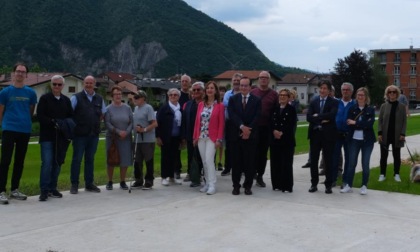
400 65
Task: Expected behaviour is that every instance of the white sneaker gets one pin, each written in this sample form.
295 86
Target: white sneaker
15 194
363 190
165 181
3 198
211 190
205 188
381 178
397 177
178 181
346 189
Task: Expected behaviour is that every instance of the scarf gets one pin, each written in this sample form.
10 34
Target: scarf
177 110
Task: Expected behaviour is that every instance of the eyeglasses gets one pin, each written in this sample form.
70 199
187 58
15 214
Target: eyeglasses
392 92
57 84
20 72
263 77
196 90
136 97
173 95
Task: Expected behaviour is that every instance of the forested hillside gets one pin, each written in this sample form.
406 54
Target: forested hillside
152 37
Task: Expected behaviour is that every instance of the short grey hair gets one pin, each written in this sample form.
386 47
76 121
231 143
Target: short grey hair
347 84
198 83
171 90
58 77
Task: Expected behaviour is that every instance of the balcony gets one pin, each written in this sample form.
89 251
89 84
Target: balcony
413 61
396 73
413 73
397 60
412 85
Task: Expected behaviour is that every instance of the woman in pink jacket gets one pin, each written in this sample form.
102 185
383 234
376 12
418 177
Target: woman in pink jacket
208 133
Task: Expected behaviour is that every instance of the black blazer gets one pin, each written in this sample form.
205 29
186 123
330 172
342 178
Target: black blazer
284 121
329 113
248 117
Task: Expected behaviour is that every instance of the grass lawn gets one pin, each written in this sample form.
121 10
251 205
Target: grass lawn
30 179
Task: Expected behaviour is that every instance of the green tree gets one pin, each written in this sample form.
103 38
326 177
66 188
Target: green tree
379 82
355 69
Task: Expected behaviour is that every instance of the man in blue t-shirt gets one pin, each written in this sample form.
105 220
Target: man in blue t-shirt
17 105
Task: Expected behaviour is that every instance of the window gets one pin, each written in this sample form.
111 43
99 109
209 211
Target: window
397 81
383 68
397 70
413 70
397 57
413 95
72 89
382 57
413 57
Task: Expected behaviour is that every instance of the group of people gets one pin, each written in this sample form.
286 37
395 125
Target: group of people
245 122
336 124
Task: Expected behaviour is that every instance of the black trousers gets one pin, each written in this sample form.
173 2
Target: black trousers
243 160
10 140
170 157
262 149
396 153
281 167
322 140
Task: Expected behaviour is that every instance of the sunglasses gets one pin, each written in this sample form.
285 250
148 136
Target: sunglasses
392 92
196 90
57 84
173 94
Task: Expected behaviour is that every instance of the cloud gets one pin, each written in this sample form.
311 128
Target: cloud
386 40
322 49
333 36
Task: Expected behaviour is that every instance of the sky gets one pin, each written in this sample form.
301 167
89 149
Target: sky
314 34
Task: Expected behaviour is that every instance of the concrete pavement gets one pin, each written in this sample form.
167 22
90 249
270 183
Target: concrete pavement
180 218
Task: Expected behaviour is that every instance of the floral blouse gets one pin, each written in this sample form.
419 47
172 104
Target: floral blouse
205 120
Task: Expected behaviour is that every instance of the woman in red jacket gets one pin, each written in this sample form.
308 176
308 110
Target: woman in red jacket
208 133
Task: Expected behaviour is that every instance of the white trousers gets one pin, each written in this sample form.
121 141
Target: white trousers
207 150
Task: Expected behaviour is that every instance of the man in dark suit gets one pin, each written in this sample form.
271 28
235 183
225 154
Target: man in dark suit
244 111
322 134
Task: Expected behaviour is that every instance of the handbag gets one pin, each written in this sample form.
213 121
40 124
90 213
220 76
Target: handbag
113 155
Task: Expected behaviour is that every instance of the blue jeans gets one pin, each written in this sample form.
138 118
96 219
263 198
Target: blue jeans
49 167
86 145
355 146
341 142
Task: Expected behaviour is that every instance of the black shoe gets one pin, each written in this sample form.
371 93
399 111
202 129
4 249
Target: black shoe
92 188
195 184
74 189
236 191
109 185
225 173
307 165
219 167
260 182
248 191
313 189
137 185
55 194
43 196
148 185
123 185
328 190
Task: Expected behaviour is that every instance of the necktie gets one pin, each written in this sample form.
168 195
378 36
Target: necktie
243 102
322 105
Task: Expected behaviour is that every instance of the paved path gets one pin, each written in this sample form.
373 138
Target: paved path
179 218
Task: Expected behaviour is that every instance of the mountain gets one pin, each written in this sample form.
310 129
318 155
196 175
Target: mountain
149 37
